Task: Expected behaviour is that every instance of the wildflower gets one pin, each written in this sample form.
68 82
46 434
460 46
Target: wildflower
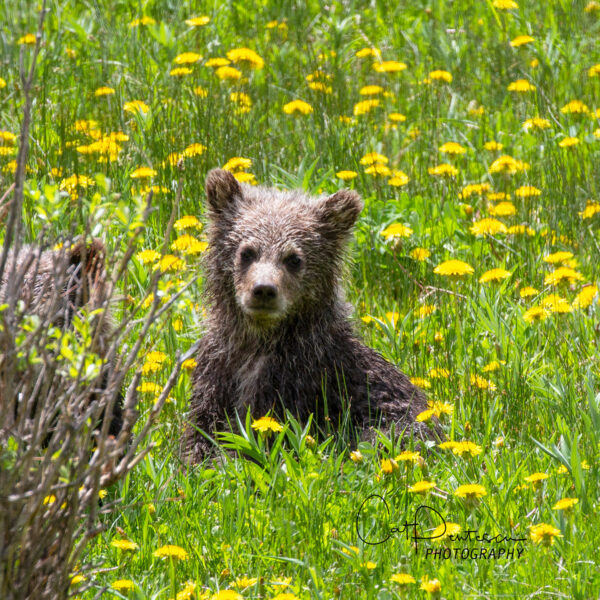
402 578
528 291
443 170
77 579
227 595
454 267
171 551
568 142
441 408
396 230
482 383
420 382
470 491
245 55
267 425
365 52
452 148
71 184
297 106
445 530
536 123
507 164
243 177
536 477
364 107
544 534
370 90
420 254
521 40
527 191
228 73
585 297
432 586
521 85
488 226
421 487
180 72
592 6
125 545
370 565
2 83
346 175
494 275
505 4
198 21
594 71
565 504
237 163
136 106
194 150
424 416
439 75
535 313
426 310
104 91
493 146
244 582
122 584
356 456
389 66
147 256
396 117
187 222
319 86
216 62
188 244
143 172
169 262
503 209
389 466
474 188
378 169
556 304
591 209
575 107
28 39
562 273
142 21
373 158
558 257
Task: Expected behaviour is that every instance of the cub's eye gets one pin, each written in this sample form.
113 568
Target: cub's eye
247 256
293 262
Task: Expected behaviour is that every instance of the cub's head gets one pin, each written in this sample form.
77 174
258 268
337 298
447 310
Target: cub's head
274 254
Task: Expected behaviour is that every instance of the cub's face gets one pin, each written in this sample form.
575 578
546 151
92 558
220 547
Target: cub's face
277 252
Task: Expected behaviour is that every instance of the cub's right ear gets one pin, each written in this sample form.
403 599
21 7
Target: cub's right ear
222 189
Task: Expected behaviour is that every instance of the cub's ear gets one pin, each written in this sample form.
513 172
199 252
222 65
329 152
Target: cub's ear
222 189
340 211
90 254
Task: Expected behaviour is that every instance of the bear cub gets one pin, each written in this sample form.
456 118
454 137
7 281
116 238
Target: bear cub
278 333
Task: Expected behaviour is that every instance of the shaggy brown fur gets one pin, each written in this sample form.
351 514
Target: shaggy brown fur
55 284
277 332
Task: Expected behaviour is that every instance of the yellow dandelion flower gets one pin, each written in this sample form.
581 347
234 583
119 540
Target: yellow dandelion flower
426 310
389 66
494 275
440 75
420 382
346 175
136 106
180 72
142 173
227 595
389 466
482 383
188 244
521 85
147 387
171 551
297 106
187 58
408 456
561 274
536 123
508 164
575 107
528 291
594 71
443 170
267 425
497 196
568 142
244 582
396 230
470 491
543 534
28 39
198 21
189 365
536 477
452 148
493 146
125 545
402 578
556 304
237 163
246 56
373 158
420 254
319 86
2 83
565 504
169 262
7 137
243 177
424 416
432 586
527 191
474 188
585 297
230 73
421 487
142 21
370 90
365 106
396 117
592 6
366 52
356 456
200 92
535 313
454 267
591 209
521 40
466 447
378 169
217 61
104 91
77 579
503 209
147 256
370 565
194 150
441 532
122 584
187 222
505 4
488 226
558 257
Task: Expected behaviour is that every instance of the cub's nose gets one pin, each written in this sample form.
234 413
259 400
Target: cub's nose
264 292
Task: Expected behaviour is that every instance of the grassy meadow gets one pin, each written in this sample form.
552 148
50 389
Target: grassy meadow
471 129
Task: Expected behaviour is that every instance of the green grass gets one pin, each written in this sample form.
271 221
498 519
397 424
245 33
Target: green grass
289 512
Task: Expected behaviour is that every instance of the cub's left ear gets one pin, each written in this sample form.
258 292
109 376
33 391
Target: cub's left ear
340 210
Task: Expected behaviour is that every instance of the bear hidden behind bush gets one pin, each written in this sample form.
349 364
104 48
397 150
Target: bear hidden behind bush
277 330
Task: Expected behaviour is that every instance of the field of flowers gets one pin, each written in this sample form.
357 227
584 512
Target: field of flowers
472 131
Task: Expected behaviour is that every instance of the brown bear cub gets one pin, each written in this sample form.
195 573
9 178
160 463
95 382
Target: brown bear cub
55 285
277 331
